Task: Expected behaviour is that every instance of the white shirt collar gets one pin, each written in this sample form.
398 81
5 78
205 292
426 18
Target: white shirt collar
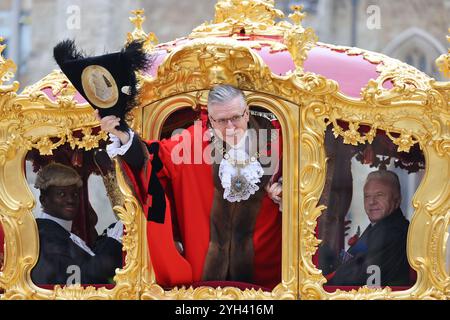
67 225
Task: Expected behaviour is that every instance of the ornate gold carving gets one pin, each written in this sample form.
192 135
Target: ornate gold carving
443 62
22 243
206 293
404 142
56 81
156 114
241 17
408 82
413 124
7 72
439 227
152 291
33 109
205 62
130 213
298 39
150 40
34 120
352 136
416 108
364 293
115 196
254 10
281 292
312 165
74 292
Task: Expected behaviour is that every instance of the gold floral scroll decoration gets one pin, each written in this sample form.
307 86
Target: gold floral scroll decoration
298 39
443 62
150 40
241 17
352 136
7 72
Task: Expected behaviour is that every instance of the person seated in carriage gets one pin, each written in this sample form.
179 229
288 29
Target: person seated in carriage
382 244
61 252
227 213
225 207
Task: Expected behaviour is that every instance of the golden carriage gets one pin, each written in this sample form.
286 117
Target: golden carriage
334 104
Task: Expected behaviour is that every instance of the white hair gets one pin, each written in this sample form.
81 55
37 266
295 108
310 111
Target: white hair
388 176
224 93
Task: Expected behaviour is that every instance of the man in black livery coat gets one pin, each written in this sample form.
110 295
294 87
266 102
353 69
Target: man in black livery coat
383 242
61 251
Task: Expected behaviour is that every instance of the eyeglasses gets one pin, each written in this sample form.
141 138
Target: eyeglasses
234 120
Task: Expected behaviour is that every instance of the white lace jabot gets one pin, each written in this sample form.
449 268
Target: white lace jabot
239 184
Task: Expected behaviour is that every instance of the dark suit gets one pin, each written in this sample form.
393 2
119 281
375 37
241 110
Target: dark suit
58 252
382 245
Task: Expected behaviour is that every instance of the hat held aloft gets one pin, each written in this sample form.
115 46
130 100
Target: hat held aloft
108 82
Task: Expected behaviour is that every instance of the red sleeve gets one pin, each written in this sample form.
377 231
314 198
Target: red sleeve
169 266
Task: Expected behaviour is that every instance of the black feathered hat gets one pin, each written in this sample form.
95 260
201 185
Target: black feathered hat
108 82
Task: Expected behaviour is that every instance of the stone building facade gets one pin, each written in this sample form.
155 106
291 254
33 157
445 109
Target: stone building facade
411 30
97 26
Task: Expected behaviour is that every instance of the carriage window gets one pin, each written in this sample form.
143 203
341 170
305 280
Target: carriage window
368 194
79 235
205 189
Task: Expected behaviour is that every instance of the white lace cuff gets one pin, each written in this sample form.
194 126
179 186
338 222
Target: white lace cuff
116 148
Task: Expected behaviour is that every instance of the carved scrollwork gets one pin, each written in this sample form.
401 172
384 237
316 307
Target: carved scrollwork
62 115
443 62
415 123
234 17
7 72
150 40
205 62
298 39
413 109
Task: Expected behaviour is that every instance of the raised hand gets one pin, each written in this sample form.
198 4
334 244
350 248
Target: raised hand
109 124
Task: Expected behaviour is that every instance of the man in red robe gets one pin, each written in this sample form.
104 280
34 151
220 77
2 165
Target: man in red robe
218 184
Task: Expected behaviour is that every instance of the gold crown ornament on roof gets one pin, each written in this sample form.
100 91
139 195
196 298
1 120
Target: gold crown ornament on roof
258 18
443 62
7 71
248 17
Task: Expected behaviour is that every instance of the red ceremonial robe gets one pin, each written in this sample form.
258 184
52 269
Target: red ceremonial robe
189 191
